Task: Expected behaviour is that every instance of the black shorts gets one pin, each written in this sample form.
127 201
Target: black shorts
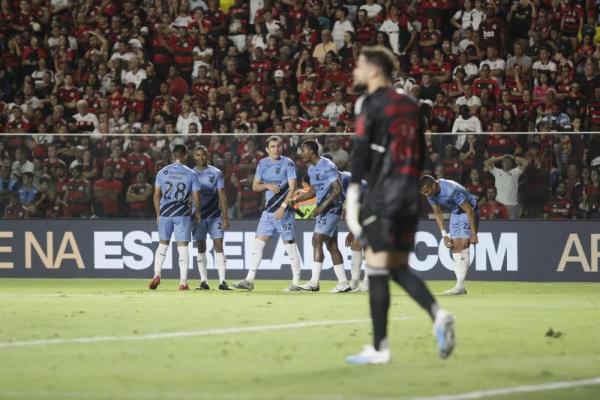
389 232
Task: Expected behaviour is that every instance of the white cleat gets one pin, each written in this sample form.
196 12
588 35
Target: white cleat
455 291
363 287
443 331
310 286
354 284
370 356
341 287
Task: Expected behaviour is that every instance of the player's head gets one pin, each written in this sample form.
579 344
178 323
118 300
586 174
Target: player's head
274 147
309 150
428 185
201 156
374 63
179 152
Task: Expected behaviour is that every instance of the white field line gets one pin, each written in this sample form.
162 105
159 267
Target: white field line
180 334
482 394
242 396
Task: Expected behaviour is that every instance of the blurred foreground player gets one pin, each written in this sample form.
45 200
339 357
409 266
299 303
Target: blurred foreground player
463 222
388 150
213 217
174 185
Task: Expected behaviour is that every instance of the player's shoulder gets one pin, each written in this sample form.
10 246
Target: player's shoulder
214 170
288 161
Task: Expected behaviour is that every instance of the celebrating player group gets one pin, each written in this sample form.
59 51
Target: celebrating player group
382 215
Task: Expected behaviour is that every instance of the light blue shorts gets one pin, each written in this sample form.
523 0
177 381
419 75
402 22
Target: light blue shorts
268 225
208 226
181 226
459 225
327 224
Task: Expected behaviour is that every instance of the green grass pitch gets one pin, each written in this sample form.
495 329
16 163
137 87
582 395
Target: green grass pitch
501 334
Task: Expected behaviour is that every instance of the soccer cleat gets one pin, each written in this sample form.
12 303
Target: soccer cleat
443 330
341 287
310 286
354 284
455 291
154 283
224 286
370 356
184 286
203 286
293 288
245 284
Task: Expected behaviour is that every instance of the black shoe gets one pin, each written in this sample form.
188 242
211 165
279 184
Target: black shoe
224 286
203 286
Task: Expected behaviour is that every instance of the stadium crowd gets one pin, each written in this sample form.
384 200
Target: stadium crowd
139 77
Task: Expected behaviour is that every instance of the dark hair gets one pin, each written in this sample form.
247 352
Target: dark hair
426 180
381 57
201 147
179 150
312 145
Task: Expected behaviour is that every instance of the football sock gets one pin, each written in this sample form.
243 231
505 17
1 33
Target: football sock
202 267
415 287
221 266
340 273
357 259
292 251
316 271
184 263
379 300
257 252
461 265
159 258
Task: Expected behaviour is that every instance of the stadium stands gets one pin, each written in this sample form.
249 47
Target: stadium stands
138 77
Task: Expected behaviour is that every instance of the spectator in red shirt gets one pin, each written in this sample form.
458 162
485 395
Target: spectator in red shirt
559 207
106 195
138 160
78 194
117 162
492 209
138 197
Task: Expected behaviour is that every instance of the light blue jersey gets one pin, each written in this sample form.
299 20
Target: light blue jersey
278 172
345 178
176 183
451 196
210 180
322 177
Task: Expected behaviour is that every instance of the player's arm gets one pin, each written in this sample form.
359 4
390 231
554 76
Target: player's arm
288 199
439 219
259 186
196 201
336 189
310 193
223 206
467 208
156 201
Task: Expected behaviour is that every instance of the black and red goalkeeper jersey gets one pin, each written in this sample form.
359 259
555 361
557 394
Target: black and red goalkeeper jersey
389 147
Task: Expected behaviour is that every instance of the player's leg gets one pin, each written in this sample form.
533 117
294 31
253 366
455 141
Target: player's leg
199 236
287 230
165 230
338 265
217 234
182 231
460 232
264 231
318 256
356 263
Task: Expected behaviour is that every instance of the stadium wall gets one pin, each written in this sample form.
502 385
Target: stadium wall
535 251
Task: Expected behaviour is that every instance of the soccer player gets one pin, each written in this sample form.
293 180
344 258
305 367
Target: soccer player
463 222
174 185
326 186
388 150
275 175
213 217
354 243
